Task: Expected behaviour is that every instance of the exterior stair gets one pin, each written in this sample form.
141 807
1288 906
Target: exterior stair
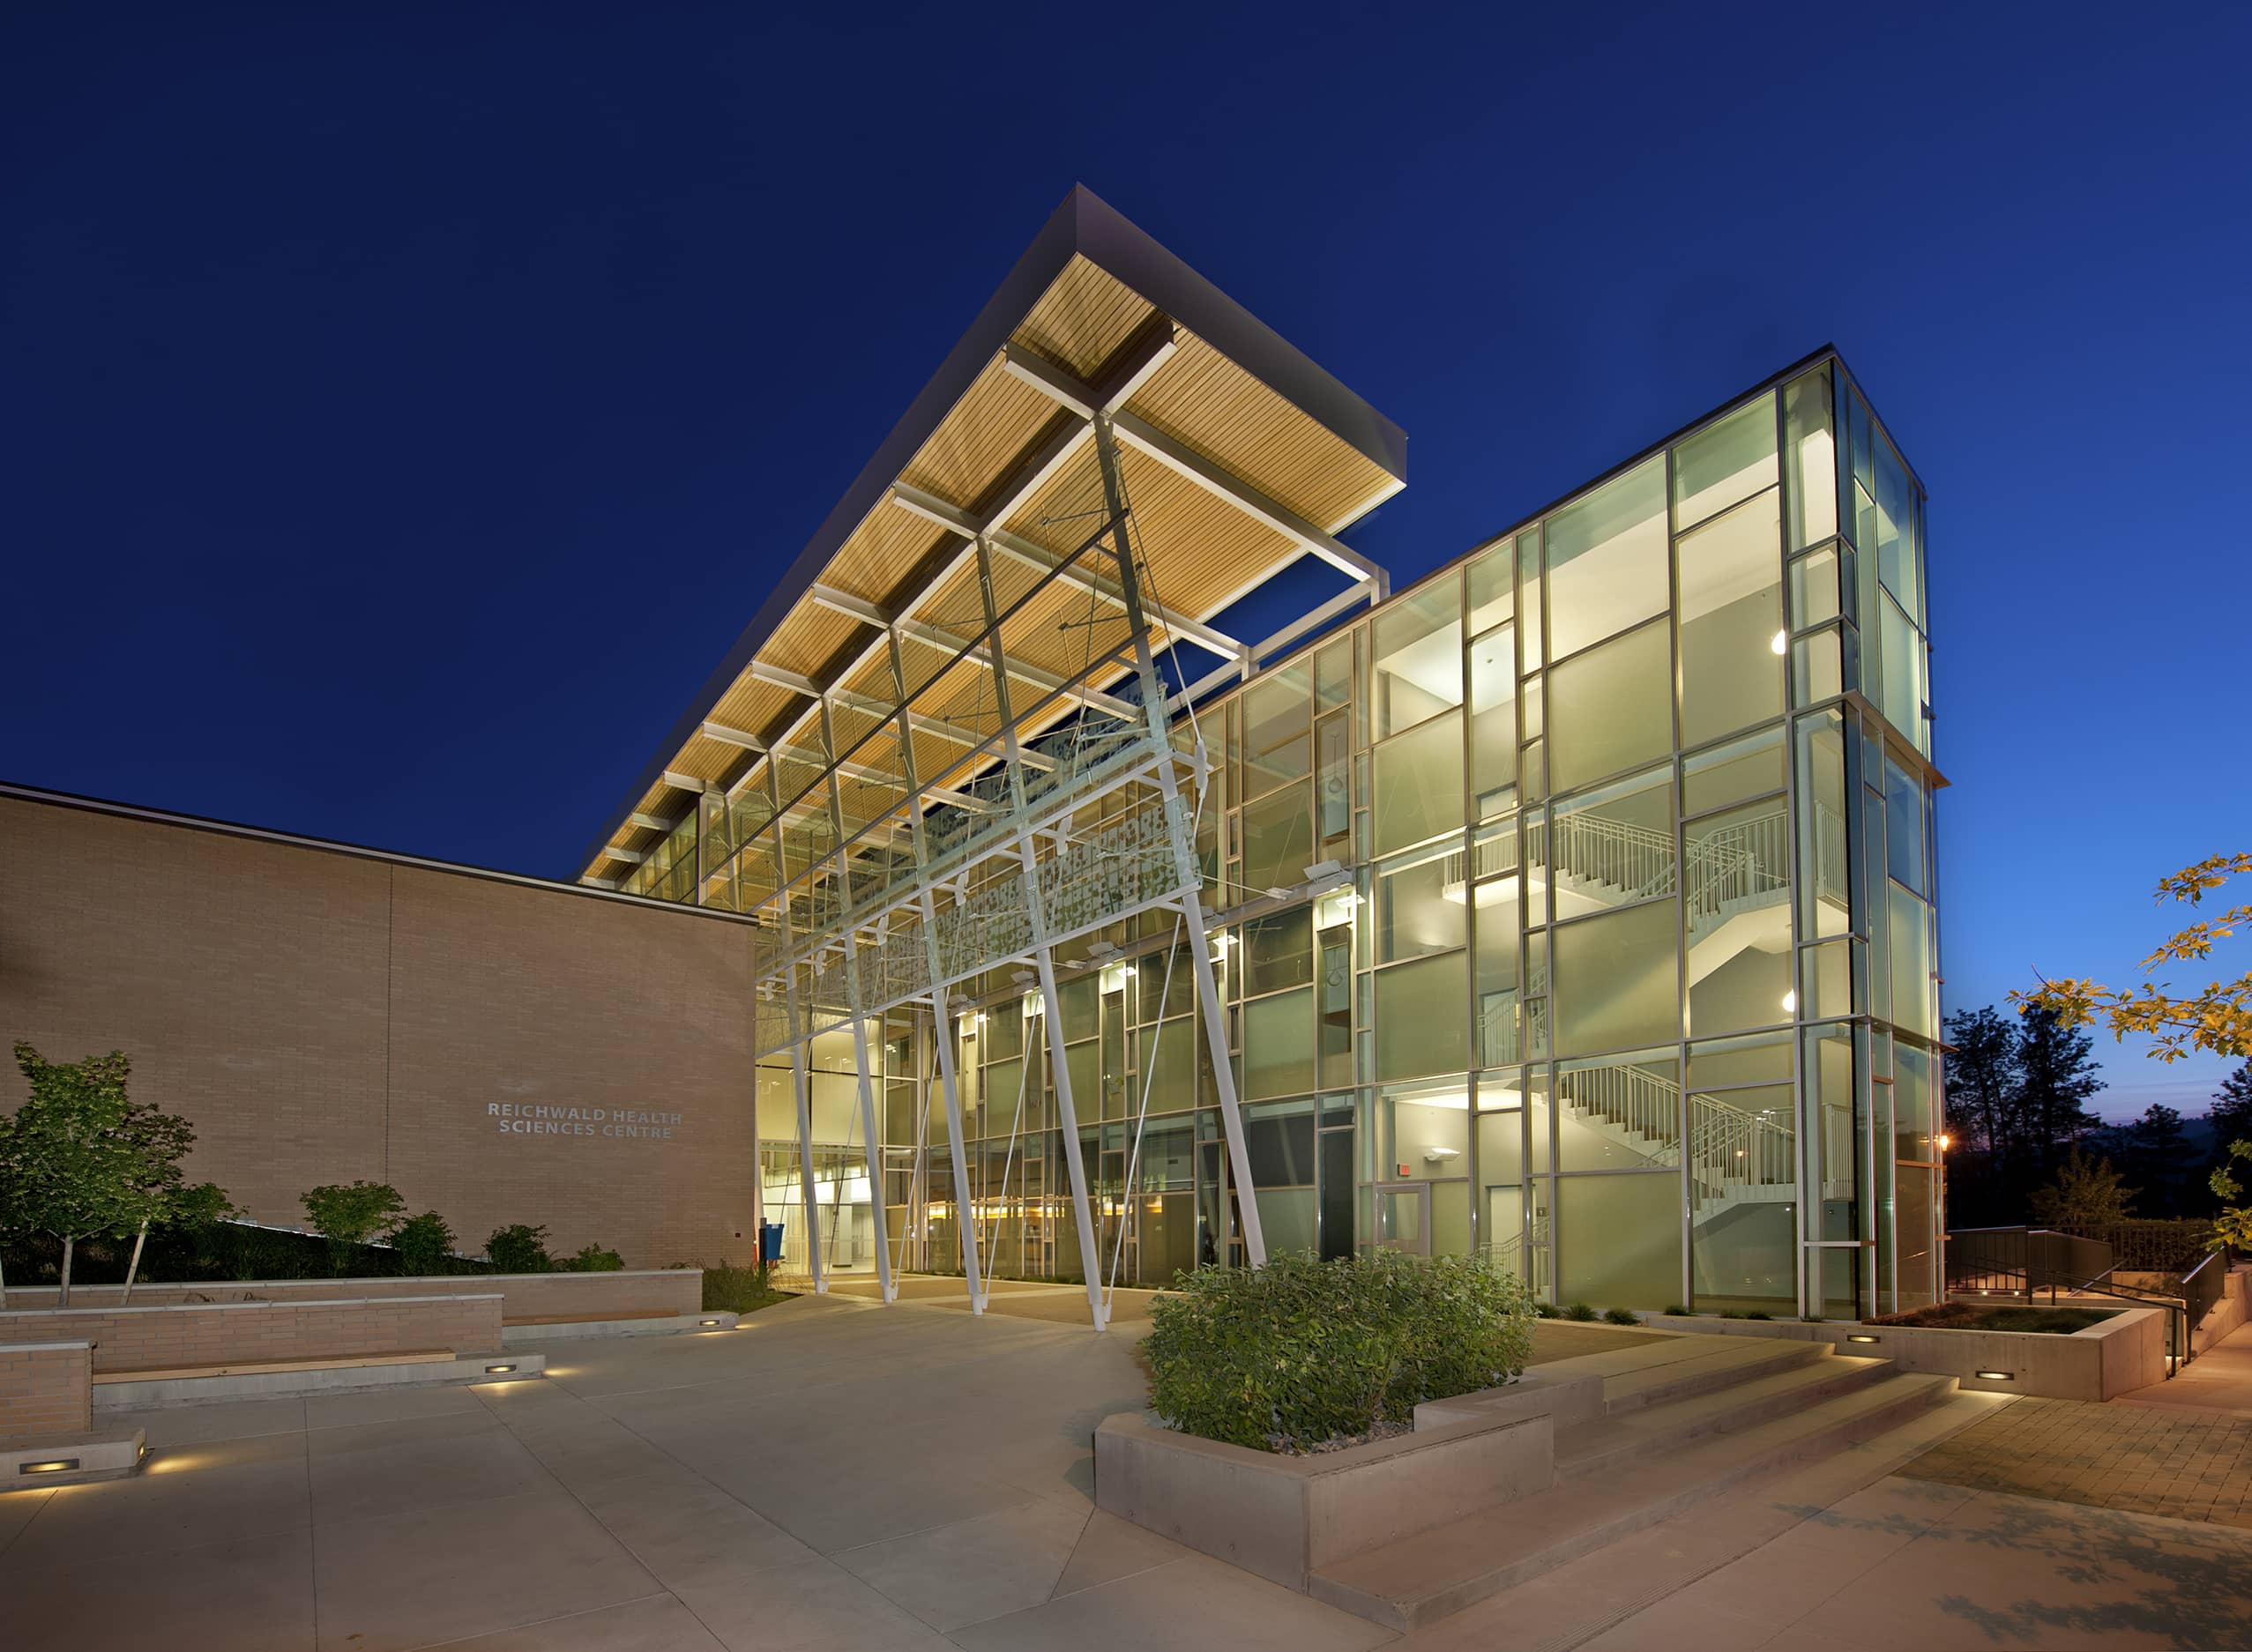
1683 1421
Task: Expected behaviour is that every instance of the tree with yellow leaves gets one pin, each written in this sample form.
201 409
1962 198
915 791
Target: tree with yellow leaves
2217 1019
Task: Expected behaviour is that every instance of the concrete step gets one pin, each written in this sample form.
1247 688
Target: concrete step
1434 1573
1634 1436
1700 1367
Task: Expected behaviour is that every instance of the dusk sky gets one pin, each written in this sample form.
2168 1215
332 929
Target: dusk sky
403 408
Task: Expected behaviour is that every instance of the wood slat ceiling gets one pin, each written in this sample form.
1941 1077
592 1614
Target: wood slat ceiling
1201 552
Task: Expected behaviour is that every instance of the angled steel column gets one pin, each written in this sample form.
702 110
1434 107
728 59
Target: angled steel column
1185 854
964 1221
1036 917
805 1138
941 1019
871 1150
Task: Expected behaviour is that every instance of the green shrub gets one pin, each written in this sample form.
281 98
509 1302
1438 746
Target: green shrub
1547 1311
591 1258
1304 1350
1623 1316
519 1249
1759 1314
1678 1310
424 1243
349 1214
738 1289
1580 1311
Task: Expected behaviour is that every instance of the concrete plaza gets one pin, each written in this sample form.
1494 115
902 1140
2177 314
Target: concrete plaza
840 1475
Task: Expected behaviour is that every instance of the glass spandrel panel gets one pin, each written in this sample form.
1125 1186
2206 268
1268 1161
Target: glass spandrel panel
1721 775
1417 656
1493 719
1277 714
1730 611
1278 840
1610 708
1727 461
1904 827
1419 784
1910 945
1607 560
1422 1024
1278 1045
1617 980
1619 1241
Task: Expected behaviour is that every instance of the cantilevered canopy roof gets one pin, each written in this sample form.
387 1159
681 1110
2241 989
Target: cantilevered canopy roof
1241 455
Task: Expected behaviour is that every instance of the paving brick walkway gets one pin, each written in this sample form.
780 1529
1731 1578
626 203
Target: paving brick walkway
2182 1464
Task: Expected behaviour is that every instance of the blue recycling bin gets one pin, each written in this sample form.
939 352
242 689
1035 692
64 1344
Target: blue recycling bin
769 1243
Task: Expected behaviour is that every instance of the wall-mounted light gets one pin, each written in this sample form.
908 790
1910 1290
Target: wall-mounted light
1859 1338
498 1371
1945 1141
1782 643
54 1465
1790 1003
707 1321
1996 1376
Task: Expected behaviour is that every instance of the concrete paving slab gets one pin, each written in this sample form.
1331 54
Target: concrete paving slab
1110 1548
809 1605
432 1575
688 1532
1156 1611
386 1405
225 1419
970 1570
422 1472
17 1510
207 1493
658 1624
244 1592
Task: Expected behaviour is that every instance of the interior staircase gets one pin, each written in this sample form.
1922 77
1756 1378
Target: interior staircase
1684 1419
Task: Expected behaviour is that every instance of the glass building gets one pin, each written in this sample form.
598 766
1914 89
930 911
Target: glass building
1574 906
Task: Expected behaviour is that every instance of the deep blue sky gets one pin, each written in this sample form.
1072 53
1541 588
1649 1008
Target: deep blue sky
402 408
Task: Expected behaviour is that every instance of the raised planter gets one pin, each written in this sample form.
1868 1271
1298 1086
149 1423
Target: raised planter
1283 1517
2108 1358
673 1291
171 1337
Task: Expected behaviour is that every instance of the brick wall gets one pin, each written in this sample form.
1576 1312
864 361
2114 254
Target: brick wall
322 1017
237 1332
523 1295
46 1391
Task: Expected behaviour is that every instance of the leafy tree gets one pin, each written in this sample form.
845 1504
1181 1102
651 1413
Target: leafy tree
2234 1225
1982 1080
2159 1157
69 1161
2088 1192
2056 1076
349 1214
2218 1017
518 1249
156 1143
591 1258
424 1243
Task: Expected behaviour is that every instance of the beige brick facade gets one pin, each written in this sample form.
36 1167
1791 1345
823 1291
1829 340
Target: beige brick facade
45 1390
500 1052
523 1295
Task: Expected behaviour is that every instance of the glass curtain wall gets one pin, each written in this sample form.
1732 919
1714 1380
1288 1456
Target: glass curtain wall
1575 908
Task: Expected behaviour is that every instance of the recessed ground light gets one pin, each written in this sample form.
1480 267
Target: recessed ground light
707 1321
57 1465
1996 1376
1856 1338
495 1370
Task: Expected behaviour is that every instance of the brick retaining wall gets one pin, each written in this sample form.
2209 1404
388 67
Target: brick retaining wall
156 1337
525 1295
46 1391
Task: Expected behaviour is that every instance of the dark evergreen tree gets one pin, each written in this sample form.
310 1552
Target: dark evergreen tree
1981 1079
2231 1113
2057 1067
2161 1160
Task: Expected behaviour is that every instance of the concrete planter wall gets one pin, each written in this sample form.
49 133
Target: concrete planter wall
241 1333
2125 1352
1285 1516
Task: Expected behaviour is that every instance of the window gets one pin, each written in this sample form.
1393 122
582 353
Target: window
1811 456
1276 715
1617 980
1420 903
1492 720
1607 560
1278 1045
1729 460
1422 1024
1418 657
1278 840
1731 618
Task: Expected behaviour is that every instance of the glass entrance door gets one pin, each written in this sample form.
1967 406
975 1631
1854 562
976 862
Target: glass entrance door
1403 1216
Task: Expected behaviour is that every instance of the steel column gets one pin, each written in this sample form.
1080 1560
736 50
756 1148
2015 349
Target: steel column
871 1150
805 1140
